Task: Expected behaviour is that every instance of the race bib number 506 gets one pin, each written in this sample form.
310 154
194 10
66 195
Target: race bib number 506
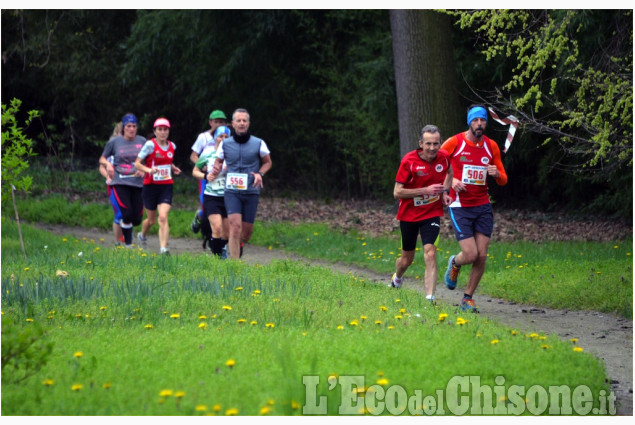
236 181
474 174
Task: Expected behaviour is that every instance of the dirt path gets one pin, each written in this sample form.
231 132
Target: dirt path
606 336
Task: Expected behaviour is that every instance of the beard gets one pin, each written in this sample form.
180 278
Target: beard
477 132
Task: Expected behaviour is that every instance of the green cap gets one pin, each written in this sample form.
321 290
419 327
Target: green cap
217 114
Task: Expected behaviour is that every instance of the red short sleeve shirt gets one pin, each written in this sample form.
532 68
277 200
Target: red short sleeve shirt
415 172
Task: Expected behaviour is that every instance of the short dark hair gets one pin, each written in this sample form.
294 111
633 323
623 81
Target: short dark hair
475 105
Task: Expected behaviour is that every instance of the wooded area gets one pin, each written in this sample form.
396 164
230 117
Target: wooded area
333 92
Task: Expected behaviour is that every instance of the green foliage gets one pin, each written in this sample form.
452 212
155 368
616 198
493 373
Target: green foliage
576 91
25 350
16 149
326 106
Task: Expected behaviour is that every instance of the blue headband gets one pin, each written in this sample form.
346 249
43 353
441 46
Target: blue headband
476 112
222 130
129 118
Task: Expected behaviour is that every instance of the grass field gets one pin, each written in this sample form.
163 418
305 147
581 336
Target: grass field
132 333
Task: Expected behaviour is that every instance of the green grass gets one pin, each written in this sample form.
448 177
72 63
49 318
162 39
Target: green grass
567 275
145 323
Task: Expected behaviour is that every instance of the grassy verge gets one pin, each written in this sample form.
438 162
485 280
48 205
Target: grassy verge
567 275
138 334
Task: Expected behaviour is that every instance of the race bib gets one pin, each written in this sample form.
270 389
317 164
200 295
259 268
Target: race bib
218 184
236 181
420 201
474 174
164 172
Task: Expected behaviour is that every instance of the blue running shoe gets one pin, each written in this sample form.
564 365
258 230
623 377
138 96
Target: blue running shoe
468 305
452 274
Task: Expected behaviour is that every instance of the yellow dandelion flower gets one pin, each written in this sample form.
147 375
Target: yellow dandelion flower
240 288
77 387
494 342
397 300
202 325
200 408
402 310
202 317
26 269
231 412
149 326
265 410
216 408
29 320
378 322
48 382
578 349
363 317
390 328
175 316
230 363
461 321
514 332
533 335
179 394
241 321
544 346
107 385
226 307
398 317
269 325
78 354
354 323
382 381
340 327
295 405
574 340
383 308
256 292
165 393
253 323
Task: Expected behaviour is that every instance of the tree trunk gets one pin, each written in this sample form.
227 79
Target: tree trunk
425 75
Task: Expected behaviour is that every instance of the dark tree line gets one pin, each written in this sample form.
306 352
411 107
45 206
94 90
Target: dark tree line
320 85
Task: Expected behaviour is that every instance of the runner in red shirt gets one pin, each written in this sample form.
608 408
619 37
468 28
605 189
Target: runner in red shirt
474 157
420 185
156 160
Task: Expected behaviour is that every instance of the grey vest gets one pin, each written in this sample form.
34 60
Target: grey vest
243 158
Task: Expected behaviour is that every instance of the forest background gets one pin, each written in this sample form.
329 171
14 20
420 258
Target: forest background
338 94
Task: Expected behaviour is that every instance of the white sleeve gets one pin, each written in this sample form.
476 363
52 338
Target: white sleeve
146 150
264 149
219 151
199 144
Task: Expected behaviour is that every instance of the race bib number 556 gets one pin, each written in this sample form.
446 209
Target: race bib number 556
236 181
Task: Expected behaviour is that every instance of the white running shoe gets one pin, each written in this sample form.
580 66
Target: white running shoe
395 282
